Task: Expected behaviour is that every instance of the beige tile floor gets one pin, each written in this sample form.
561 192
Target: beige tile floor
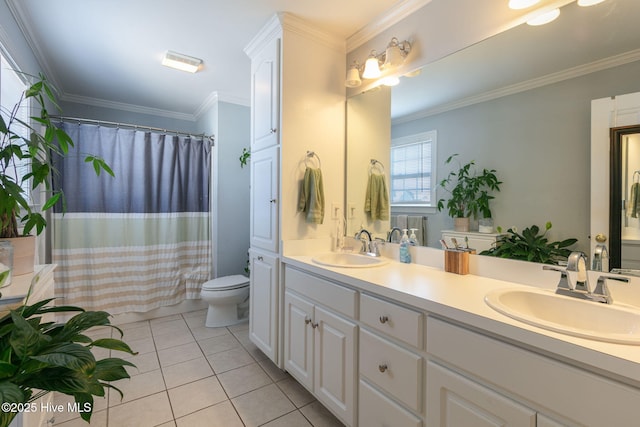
191 375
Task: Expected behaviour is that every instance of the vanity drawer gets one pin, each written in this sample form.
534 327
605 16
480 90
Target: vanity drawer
377 410
341 299
392 368
394 320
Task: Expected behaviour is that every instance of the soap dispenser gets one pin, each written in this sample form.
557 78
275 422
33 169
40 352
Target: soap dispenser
405 256
413 240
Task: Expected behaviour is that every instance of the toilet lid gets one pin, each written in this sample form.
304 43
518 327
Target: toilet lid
226 283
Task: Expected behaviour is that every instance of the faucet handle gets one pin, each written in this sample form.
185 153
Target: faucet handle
602 290
563 283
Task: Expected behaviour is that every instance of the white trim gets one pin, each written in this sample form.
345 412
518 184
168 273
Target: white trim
570 73
383 22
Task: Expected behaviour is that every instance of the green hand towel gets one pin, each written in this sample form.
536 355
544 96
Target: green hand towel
311 198
377 198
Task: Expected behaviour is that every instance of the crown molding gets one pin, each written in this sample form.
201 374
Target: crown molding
383 22
214 98
570 73
268 32
78 99
297 25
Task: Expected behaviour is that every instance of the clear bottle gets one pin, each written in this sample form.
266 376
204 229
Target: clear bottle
405 256
413 240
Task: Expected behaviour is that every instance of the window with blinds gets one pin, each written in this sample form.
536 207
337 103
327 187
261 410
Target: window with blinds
413 170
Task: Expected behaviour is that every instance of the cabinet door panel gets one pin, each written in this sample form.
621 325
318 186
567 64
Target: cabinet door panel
264 199
453 401
266 95
335 349
298 339
263 306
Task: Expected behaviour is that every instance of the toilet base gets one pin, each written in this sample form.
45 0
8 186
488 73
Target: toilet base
223 315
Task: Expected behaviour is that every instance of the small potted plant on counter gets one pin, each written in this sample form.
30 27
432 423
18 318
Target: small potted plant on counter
469 193
531 246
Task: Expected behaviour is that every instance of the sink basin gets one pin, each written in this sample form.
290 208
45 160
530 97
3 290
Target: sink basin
567 315
349 260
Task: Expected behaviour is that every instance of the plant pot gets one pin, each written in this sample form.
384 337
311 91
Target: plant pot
24 249
461 224
485 225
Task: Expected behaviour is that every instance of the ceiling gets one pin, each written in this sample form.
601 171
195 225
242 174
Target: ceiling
107 53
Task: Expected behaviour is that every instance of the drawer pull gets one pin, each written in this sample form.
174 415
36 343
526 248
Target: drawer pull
382 368
314 325
384 319
307 321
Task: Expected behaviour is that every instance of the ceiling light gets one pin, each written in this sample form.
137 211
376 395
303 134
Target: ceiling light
372 67
390 81
393 57
544 18
353 76
522 4
586 3
181 62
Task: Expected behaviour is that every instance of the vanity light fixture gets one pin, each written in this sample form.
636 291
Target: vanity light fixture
181 62
393 57
586 3
544 17
522 4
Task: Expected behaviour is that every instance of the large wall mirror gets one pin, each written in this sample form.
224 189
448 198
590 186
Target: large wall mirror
518 102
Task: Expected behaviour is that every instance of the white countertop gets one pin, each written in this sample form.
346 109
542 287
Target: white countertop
461 298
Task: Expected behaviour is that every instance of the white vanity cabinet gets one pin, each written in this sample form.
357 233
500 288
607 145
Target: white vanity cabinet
473 379
320 339
391 367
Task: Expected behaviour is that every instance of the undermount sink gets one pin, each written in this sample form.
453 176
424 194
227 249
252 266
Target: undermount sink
349 260
567 315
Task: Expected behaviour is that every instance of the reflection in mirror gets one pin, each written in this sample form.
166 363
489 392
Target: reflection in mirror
519 102
625 198
369 136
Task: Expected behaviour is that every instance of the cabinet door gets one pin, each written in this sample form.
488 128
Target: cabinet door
335 376
298 338
265 94
263 303
264 199
453 401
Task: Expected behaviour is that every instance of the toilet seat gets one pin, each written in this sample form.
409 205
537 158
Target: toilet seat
226 283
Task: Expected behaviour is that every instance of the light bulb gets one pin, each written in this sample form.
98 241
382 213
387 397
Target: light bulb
371 68
544 18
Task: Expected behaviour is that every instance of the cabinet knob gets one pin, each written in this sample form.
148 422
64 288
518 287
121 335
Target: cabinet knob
384 319
272 201
307 321
314 325
260 258
383 368
272 130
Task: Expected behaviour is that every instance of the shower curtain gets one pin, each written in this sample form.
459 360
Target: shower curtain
139 240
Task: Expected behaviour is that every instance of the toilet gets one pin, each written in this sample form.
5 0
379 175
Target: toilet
227 298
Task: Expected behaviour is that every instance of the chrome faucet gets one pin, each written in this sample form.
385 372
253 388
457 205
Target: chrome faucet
365 243
574 280
390 233
600 258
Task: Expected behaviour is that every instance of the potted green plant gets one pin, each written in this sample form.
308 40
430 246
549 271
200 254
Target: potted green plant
38 357
531 246
469 192
33 142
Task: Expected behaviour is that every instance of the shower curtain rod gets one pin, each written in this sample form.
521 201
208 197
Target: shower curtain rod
131 126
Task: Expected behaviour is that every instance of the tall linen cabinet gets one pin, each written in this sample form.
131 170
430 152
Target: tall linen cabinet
297 105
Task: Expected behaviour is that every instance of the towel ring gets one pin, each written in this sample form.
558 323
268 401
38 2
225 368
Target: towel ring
309 156
376 164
